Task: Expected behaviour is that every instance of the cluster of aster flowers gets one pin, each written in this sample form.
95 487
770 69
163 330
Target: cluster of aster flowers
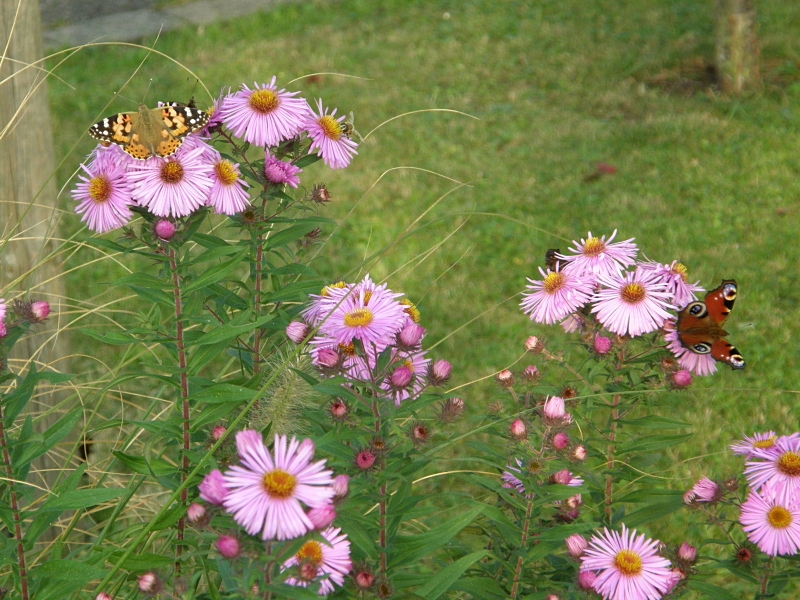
281 495
601 280
770 516
197 175
355 324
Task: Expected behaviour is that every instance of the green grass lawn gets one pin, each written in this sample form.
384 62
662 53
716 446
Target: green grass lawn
553 88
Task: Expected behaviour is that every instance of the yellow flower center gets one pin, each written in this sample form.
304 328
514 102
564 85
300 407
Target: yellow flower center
171 172
593 247
99 189
633 293
367 297
226 172
681 270
330 127
279 484
553 282
789 464
411 310
326 291
628 562
264 101
408 364
359 317
779 517
310 552
767 443
347 349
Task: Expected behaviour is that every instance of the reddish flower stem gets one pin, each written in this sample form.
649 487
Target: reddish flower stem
523 543
257 304
23 574
179 342
382 502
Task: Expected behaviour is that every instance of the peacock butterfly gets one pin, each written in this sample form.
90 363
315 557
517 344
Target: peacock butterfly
700 329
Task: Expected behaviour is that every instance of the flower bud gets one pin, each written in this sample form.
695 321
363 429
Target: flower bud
602 344
505 378
227 546
534 345
196 513
218 432
518 430
365 459
363 576
576 545
320 194
687 553
149 583
338 410
401 377
341 485
418 433
554 408
39 311
450 409
410 335
560 441
681 379
578 453
164 229
328 358
744 555
102 596
3 330
439 372
297 331
322 516
531 374
586 580
212 488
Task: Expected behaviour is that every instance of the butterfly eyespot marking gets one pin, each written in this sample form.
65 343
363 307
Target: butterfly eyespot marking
729 292
701 348
698 309
736 361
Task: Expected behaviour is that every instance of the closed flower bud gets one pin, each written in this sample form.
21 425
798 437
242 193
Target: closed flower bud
363 576
39 311
320 193
505 378
578 453
418 433
341 485
102 596
534 344
687 553
586 580
212 488
450 409
518 430
681 379
602 344
365 459
560 441
401 377
227 546
339 410
576 545
322 516
164 229
218 432
744 555
411 335
531 374
149 583
297 331
554 408
439 372
328 358
196 513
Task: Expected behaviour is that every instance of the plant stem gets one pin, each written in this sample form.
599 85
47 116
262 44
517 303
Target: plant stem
610 456
382 502
179 342
257 304
523 542
23 574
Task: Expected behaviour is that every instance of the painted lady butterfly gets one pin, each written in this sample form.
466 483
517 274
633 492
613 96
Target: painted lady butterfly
150 131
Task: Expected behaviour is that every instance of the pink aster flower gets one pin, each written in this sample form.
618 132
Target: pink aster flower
627 567
772 523
759 441
705 490
510 479
373 317
564 477
327 138
675 276
555 297
416 364
778 466
2 310
325 562
265 494
323 303
700 364
212 488
104 198
280 172
631 303
264 116
228 196
173 187
597 256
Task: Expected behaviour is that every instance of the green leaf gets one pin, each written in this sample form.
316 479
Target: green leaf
69 570
224 392
139 464
653 512
480 587
288 235
78 499
412 548
308 159
653 442
216 273
441 581
709 590
656 422
114 338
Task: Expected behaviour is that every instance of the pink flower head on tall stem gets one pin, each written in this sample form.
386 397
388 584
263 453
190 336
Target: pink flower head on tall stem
328 138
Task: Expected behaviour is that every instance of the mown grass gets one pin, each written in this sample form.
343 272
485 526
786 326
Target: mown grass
556 88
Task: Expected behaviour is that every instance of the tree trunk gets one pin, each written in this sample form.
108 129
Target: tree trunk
737 47
28 216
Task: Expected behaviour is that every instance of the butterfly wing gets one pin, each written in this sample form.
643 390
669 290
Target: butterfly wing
700 329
